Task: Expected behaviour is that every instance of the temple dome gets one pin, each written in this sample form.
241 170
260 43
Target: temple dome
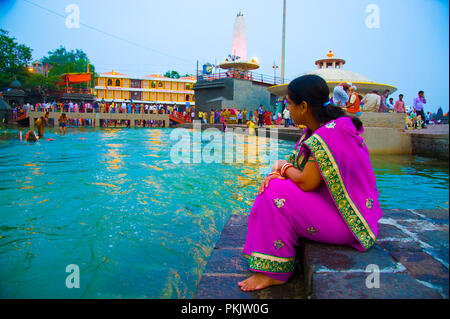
15 84
330 69
340 75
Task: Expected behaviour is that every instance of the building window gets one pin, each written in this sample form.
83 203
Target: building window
153 84
117 82
188 86
187 98
160 85
136 84
109 82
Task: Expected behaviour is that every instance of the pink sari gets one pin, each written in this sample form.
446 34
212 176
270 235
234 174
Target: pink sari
343 211
279 119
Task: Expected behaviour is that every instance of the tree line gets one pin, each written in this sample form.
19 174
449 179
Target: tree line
15 60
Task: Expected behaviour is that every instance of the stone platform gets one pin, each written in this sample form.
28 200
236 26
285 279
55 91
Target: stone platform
411 257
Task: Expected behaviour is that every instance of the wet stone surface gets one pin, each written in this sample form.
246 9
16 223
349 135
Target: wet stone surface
352 285
411 257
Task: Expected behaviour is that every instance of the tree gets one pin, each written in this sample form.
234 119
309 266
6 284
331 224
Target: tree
42 84
440 114
172 74
62 61
14 58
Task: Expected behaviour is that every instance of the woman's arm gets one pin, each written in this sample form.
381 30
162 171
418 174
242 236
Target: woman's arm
309 179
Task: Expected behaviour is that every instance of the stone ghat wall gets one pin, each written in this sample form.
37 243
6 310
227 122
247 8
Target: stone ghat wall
386 140
388 120
431 145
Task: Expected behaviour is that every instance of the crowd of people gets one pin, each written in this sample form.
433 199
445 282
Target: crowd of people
345 96
99 107
259 117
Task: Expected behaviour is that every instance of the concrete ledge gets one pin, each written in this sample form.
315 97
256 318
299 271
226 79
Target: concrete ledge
386 140
375 119
411 255
433 145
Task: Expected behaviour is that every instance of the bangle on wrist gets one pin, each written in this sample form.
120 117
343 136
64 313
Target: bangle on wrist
275 173
284 169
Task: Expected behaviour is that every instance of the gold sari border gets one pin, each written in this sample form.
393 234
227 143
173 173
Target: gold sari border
269 263
330 171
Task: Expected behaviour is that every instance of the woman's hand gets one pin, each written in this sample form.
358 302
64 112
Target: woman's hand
278 165
264 184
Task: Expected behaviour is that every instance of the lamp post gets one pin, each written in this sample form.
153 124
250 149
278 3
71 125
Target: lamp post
275 67
283 42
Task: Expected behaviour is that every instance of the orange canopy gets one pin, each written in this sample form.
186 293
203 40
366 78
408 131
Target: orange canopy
73 78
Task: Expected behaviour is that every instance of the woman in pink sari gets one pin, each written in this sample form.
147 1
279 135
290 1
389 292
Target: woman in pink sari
325 192
279 118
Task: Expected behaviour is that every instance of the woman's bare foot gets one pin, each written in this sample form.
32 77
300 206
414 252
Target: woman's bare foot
257 282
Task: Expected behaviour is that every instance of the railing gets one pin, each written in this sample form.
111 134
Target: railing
77 90
136 111
250 76
96 118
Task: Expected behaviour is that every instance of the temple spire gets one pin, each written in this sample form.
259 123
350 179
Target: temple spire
239 48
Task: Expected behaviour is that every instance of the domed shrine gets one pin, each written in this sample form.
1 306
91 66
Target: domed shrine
331 70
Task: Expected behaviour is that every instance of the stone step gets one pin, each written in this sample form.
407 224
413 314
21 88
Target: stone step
227 266
410 257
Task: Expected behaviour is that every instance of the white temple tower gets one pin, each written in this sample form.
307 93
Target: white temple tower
239 48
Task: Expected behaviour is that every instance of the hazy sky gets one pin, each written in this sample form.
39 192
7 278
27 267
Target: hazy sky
409 48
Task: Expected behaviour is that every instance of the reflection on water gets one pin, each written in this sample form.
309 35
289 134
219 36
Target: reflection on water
138 225
411 181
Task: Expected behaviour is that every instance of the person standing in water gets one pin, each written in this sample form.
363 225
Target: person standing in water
40 123
62 124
